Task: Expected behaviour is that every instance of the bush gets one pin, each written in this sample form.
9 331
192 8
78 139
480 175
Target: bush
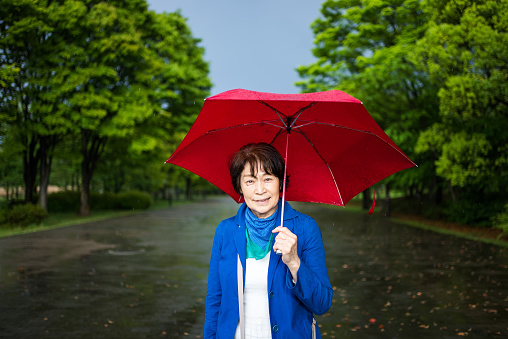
501 220
134 200
24 215
475 213
70 201
64 201
104 201
16 202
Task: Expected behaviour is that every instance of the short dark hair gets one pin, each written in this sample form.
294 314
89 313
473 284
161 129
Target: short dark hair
265 154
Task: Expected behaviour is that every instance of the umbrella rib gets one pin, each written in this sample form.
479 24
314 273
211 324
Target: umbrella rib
268 122
300 111
356 130
290 120
279 114
277 135
327 165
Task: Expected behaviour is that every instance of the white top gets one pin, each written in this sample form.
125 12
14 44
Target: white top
255 300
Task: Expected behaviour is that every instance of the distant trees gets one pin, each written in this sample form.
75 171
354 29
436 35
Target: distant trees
465 51
99 78
433 74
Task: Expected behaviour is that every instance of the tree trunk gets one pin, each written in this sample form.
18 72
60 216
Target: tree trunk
84 209
164 192
177 193
435 190
452 192
366 199
44 182
91 148
30 162
388 202
188 193
47 144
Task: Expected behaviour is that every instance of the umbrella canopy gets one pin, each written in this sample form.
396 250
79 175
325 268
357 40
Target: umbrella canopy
334 148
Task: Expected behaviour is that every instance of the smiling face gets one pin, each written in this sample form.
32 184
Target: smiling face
260 191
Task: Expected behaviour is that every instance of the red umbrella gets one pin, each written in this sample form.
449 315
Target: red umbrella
333 148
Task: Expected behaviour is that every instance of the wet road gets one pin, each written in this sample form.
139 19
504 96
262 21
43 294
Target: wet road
145 276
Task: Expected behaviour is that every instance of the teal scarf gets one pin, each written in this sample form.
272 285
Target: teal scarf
259 234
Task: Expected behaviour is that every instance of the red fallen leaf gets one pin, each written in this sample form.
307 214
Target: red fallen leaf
372 320
381 327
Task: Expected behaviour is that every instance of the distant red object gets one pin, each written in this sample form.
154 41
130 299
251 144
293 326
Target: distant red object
333 147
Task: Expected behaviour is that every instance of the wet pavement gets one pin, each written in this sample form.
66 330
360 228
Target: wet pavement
145 276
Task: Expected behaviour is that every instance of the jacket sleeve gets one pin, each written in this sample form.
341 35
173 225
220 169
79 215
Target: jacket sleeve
214 290
313 285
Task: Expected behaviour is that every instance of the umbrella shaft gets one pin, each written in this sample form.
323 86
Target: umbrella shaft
284 183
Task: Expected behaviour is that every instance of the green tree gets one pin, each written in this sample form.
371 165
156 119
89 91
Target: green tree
20 32
465 51
111 81
29 48
364 48
181 84
98 71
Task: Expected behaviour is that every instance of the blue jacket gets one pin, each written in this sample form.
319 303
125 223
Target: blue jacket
291 305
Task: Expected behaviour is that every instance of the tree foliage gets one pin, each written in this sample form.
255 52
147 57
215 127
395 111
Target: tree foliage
433 74
100 72
465 50
363 48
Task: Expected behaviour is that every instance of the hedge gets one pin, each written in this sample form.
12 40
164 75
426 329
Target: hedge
23 215
70 201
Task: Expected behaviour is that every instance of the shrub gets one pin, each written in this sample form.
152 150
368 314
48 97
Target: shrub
475 213
69 201
104 201
15 202
134 200
64 201
24 215
501 220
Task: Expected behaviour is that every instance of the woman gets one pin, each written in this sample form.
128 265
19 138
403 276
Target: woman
281 292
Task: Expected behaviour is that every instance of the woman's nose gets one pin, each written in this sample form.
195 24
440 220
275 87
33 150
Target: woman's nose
260 187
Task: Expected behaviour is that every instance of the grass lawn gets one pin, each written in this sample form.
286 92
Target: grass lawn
57 220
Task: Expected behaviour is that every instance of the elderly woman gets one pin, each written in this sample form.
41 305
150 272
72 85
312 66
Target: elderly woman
280 292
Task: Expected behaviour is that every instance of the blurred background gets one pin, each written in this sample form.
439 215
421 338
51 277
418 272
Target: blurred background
95 96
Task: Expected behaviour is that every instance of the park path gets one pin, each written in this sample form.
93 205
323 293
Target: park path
144 276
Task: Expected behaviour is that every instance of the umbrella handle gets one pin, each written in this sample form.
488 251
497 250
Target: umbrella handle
284 185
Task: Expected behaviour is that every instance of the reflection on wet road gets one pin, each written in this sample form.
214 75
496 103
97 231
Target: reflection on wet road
145 276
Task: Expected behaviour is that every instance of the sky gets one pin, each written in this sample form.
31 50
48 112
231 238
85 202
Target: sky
251 44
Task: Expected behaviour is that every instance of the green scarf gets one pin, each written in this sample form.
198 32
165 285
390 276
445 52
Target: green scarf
254 251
